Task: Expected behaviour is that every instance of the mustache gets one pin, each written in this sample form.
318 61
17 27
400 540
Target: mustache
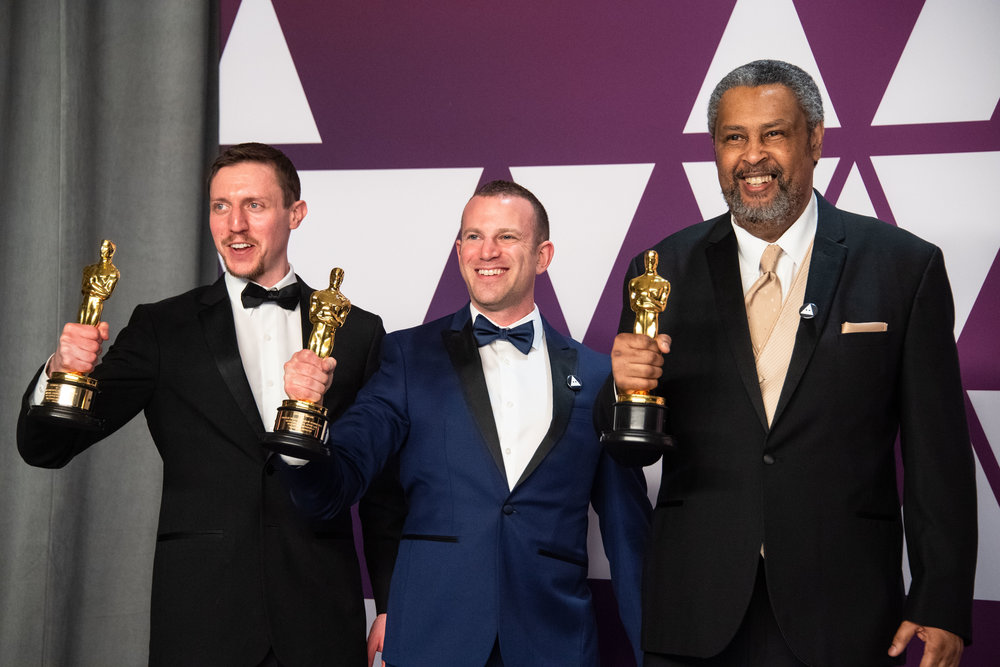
762 169
239 238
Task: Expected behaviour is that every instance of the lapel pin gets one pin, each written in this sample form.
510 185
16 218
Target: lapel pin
808 311
573 383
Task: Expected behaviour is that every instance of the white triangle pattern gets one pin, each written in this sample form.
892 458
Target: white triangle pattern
759 29
948 70
854 197
987 407
256 58
590 210
947 199
391 230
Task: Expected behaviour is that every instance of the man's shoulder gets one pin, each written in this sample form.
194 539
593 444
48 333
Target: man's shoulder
865 230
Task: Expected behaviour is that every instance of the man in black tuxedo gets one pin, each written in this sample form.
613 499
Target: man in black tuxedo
239 578
777 535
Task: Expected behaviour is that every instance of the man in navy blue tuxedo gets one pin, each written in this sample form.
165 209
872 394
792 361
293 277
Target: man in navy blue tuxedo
490 413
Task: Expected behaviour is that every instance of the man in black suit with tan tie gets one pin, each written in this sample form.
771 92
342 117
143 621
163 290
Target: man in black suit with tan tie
802 340
239 577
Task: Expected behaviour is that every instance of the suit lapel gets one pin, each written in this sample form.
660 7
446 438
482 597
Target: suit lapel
464 355
220 335
304 311
825 267
562 362
722 254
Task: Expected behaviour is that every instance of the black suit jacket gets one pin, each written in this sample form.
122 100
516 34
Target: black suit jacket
818 489
236 567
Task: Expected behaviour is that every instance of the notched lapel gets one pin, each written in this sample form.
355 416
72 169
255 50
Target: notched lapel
220 335
722 255
825 268
464 355
562 362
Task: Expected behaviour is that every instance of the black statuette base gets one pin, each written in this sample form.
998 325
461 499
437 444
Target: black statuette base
638 436
66 416
295 444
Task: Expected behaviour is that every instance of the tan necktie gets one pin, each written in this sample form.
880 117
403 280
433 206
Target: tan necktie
763 301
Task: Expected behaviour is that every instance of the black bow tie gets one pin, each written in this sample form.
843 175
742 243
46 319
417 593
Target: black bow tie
521 336
286 297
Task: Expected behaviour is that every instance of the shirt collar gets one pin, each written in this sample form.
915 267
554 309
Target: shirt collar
535 317
235 285
794 242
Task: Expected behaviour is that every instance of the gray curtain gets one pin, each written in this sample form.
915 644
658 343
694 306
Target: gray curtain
108 117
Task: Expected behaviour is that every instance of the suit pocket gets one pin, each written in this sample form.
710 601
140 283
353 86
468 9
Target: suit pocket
206 535
564 558
864 339
429 538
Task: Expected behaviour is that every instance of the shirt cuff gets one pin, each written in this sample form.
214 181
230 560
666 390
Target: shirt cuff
43 379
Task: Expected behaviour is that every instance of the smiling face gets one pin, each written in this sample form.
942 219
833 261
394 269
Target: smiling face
250 223
499 256
765 156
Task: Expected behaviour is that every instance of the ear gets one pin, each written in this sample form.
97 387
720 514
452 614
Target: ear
544 256
458 250
299 210
816 142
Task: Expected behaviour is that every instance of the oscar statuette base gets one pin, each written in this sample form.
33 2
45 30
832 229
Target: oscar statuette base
638 435
67 402
299 431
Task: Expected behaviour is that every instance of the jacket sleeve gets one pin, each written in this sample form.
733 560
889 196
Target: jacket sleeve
125 378
382 509
623 509
939 493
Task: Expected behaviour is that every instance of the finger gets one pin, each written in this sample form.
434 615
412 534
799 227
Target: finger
902 637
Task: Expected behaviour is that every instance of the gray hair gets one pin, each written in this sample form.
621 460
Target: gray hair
766 73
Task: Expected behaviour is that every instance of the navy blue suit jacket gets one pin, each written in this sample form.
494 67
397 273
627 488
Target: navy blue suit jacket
477 560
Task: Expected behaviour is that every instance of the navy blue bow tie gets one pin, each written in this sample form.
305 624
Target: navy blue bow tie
520 336
253 295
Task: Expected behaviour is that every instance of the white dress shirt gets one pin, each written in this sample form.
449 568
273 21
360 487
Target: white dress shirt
520 387
267 335
794 244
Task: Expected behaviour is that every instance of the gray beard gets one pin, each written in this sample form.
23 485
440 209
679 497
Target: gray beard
772 215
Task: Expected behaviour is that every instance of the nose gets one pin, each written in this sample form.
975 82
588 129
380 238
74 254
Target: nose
755 151
489 249
237 220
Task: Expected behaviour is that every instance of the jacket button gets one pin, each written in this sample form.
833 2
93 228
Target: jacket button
508 509
768 459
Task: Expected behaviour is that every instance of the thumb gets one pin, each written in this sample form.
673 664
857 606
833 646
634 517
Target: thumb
902 637
103 330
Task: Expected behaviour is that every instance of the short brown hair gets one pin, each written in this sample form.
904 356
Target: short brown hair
288 177
500 188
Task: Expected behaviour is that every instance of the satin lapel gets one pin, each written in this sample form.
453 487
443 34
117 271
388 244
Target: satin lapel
825 267
304 311
724 270
220 335
562 361
464 355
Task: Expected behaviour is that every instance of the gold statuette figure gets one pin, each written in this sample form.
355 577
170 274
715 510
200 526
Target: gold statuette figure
640 417
300 427
68 395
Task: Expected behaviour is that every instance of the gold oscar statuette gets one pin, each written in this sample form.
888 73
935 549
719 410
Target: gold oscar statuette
639 423
300 427
69 394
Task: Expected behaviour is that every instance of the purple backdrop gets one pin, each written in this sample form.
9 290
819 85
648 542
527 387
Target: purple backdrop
395 85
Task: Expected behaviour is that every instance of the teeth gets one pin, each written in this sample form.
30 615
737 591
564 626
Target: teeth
489 272
758 180
239 246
